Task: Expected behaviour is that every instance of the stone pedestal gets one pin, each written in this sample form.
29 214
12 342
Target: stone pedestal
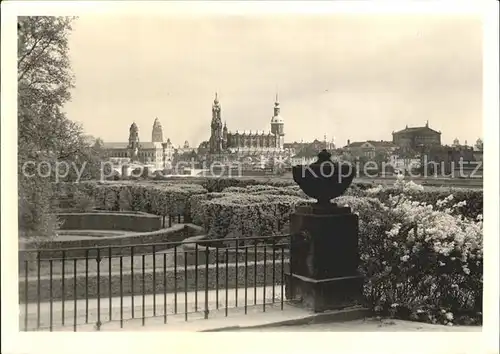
324 258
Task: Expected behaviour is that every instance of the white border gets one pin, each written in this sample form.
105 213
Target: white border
15 342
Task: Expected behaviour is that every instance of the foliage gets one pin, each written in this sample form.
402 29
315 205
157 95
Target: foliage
44 80
35 218
245 212
421 260
293 190
83 202
160 199
246 215
125 199
472 198
418 262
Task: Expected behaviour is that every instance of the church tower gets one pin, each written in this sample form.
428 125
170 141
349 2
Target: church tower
216 128
157 133
224 136
278 125
133 142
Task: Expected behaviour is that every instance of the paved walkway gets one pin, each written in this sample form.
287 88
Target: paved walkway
368 325
149 307
270 318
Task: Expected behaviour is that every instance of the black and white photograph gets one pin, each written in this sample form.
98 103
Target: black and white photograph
232 167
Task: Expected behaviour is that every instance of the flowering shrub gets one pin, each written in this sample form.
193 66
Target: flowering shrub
473 197
419 262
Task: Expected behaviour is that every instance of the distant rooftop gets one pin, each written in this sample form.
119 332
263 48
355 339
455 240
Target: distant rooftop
416 129
375 143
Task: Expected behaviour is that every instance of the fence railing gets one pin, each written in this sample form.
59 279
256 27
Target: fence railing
166 282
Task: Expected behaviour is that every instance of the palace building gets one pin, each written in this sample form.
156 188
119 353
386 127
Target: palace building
157 152
224 142
416 137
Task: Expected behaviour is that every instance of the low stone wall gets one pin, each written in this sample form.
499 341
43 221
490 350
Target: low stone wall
54 249
154 282
137 222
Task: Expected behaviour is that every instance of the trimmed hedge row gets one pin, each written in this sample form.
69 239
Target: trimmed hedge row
159 199
232 215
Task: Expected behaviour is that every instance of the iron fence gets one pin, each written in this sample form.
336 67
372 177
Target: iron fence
60 289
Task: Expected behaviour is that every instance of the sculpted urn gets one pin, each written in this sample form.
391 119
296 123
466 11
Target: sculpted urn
324 241
324 179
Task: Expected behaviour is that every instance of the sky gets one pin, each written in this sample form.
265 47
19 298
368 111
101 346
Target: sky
356 77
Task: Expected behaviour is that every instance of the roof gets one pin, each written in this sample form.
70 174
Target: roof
120 145
294 145
149 145
124 145
277 119
381 143
416 130
356 144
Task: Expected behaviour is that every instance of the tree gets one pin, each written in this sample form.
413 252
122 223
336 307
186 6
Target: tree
45 135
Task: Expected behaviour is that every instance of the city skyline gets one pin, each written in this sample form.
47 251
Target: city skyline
349 77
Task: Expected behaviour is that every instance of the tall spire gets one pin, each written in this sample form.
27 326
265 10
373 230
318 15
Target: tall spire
276 106
216 100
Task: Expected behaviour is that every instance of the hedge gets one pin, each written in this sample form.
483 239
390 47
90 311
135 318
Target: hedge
232 215
159 199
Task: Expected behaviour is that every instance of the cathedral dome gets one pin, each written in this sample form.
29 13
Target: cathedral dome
277 119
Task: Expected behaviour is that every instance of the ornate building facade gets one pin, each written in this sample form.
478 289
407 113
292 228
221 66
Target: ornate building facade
369 148
157 152
224 142
415 138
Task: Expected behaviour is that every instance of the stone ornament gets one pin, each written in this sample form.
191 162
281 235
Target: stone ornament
324 179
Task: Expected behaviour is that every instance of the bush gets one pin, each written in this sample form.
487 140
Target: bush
235 215
35 202
293 190
125 199
420 263
472 198
160 199
83 202
420 250
220 184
